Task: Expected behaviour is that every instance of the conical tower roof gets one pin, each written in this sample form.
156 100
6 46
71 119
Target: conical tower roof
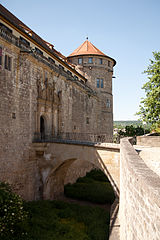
87 48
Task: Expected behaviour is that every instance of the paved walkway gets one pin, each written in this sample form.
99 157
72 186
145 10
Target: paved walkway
114 221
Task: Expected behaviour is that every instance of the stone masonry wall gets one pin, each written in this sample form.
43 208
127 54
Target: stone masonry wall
28 90
17 121
94 71
152 141
139 197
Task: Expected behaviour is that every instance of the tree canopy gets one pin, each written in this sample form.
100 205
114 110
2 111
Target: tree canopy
150 105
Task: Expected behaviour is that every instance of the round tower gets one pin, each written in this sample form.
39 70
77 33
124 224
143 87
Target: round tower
98 69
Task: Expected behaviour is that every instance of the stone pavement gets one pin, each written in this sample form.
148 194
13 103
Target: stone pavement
114 221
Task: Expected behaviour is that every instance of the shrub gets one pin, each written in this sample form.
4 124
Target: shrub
94 187
97 175
12 214
96 192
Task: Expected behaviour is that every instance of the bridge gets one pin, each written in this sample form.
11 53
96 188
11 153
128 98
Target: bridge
132 170
62 162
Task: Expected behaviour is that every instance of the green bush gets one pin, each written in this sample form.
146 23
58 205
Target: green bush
12 214
96 192
97 175
94 187
57 220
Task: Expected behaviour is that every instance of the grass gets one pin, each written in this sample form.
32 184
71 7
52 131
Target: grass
94 187
57 220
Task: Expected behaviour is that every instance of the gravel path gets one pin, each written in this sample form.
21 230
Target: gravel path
84 203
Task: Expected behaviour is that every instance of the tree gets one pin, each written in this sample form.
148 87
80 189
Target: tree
150 106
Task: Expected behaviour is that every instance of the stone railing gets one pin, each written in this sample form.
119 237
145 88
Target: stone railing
71 136
139 197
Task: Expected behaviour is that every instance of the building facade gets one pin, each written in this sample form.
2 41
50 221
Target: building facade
46 96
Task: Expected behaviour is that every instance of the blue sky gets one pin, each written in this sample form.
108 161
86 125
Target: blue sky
127 31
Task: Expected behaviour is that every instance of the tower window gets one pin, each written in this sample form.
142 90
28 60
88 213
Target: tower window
79 60
100 61
109 63
7 62
90 60
87 120
108 103
100 83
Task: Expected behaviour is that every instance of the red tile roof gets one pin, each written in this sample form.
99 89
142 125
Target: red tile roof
87 48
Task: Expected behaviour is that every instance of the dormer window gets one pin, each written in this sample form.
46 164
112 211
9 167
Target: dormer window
80 61
38 51
51 60
24 41
90 60
5 28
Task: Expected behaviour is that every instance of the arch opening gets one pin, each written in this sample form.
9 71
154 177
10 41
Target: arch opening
67 172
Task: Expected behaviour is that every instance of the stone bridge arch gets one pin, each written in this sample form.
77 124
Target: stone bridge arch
67 172
61 163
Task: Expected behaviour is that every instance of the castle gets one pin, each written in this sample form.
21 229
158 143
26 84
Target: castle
46 96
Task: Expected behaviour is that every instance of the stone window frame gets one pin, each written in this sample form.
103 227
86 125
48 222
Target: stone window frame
7 62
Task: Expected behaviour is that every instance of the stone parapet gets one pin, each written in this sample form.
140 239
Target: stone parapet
147 140
139 198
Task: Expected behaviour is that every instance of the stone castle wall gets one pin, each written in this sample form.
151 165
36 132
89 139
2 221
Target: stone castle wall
31 88
17 121
139 198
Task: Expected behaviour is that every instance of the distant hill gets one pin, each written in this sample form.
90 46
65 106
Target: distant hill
127 123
